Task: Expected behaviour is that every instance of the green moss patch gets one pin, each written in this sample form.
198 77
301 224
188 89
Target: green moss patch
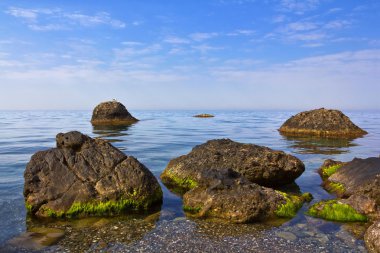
337 188
335 211
111 207
178 184
28 207
328 171
192 210
292 205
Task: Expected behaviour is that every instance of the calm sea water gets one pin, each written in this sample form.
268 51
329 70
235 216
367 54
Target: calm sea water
161 136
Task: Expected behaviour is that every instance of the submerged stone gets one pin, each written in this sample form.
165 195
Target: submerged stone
112 113
258 164
86 177
321 122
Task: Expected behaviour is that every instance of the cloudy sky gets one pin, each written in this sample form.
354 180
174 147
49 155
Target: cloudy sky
190 54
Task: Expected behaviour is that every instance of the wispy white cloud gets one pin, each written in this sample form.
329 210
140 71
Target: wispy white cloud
204 48
202 36
243 32
298 6
176 40
57 19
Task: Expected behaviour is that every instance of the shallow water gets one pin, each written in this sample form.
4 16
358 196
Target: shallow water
160 136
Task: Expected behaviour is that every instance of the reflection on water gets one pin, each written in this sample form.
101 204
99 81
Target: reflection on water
319 145
111 133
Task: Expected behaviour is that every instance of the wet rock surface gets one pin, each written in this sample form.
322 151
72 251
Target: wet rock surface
85 176
258 164
372 238
321 122
225 194
111 113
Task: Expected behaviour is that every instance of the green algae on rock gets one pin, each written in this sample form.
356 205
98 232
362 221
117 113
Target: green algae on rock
321 122
86 177
226 195
292 205
111 113
334 210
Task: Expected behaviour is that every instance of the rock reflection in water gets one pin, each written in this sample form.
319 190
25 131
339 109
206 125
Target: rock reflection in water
111 132
80 235
319 145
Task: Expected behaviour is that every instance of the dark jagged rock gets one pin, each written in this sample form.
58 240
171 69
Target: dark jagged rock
321 122
85 176
258 164
357 182
372 238
204 115
111 113
225 194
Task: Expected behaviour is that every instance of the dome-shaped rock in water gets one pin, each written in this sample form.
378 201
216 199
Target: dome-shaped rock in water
225 194
372 238
258 164
321 122
112 113
85 177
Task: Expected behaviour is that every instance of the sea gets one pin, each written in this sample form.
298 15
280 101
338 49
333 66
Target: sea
160 136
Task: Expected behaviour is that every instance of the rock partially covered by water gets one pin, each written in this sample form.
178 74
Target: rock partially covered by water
258 164
111 113
84 177
204 115
357 182
225 194
321 122
372 238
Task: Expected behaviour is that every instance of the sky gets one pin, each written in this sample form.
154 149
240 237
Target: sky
190 54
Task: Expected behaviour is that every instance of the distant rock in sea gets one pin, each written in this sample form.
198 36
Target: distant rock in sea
87 177
112 113
321 122
258 164
204 115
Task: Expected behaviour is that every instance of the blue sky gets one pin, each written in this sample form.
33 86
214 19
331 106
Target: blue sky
195 54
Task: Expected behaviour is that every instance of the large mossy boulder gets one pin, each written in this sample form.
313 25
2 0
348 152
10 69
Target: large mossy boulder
111 113
258 164
226 195
372 238
321 122
85 177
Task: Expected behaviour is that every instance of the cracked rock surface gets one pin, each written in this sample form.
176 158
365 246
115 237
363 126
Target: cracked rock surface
84 170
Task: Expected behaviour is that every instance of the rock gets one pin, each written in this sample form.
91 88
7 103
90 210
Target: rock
258 164
286 235
84 177
111 113
321 122
357 182
372 238
204 115
225 194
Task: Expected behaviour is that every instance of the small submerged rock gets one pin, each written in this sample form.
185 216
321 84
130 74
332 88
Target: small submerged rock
204 115
258 164
321 122
112 113
85 177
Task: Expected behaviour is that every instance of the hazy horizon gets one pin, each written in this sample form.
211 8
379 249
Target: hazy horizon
190 55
